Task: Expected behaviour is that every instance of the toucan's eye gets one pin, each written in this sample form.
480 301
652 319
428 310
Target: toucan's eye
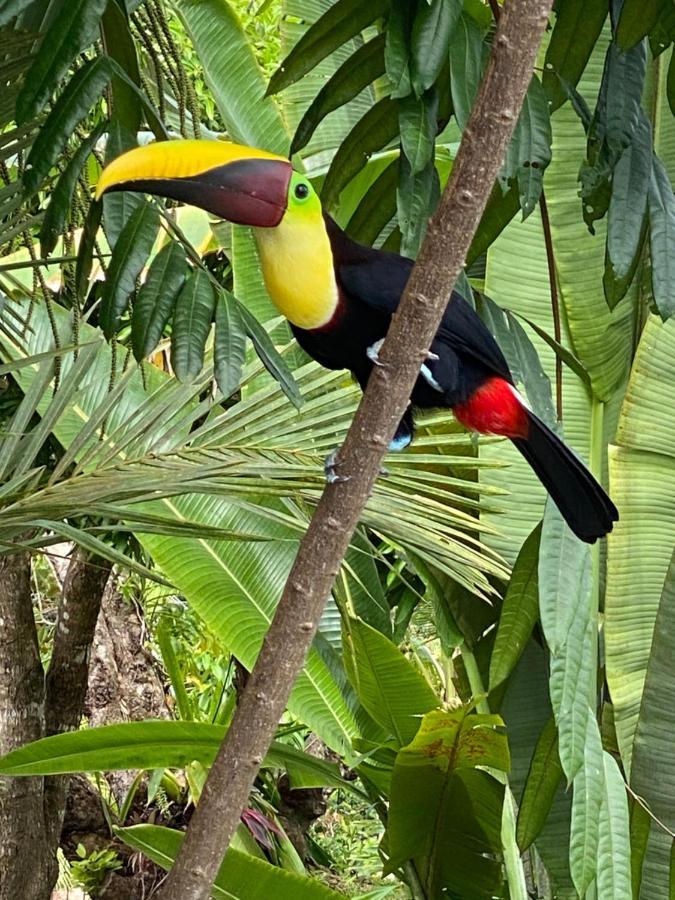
301 191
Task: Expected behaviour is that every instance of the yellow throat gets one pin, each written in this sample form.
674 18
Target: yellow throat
297 265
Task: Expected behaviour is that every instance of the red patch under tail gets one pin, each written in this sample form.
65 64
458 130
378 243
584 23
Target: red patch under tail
494 408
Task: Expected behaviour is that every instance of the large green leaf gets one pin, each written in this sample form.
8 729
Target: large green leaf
642 475
241 876
444 811
232 74
432 27
652 771
393 692
355 74
152 745
529 151
543 781
662 236
468 56
193 315
61 198
568 620
371 133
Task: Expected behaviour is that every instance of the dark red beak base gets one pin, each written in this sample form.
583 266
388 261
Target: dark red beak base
246 192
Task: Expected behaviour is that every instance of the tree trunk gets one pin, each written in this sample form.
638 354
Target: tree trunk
31 809
28 868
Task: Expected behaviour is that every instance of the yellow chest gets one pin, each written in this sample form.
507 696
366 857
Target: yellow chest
297 265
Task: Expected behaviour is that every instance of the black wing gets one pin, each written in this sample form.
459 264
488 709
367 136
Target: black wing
378 279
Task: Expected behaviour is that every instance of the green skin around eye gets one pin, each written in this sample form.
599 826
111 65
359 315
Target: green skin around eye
303 206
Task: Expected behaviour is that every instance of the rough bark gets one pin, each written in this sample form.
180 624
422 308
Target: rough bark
31 809
27 868
322 549
66 682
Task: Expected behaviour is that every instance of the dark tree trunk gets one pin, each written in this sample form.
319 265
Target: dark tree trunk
31 809
28 868
66 684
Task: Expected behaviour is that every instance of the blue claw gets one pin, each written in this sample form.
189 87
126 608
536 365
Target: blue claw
329 464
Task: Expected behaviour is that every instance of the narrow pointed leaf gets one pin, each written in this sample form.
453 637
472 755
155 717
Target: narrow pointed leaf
82 91
662 238
529 152
577 27
625 80
417 124
628 206
541 787
377 208
156 299
119 44
118 206
637 19
270 358
397 49
130 255
371 133
61 198
468 57
568 624
343 21
586 806
520 611
85 252
613 872
355 74
71 31
230 344
195 306
432 27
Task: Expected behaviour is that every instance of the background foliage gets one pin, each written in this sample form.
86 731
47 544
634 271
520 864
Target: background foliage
498 695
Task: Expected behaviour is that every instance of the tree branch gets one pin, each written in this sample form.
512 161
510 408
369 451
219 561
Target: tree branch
323 547
555 303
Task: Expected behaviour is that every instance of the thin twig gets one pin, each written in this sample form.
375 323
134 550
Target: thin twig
555 303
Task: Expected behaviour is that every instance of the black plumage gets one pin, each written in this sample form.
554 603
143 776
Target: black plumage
468 373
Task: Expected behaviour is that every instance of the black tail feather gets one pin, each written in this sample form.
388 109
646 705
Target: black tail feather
583 503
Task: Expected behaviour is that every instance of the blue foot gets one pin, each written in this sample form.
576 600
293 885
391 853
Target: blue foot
400 442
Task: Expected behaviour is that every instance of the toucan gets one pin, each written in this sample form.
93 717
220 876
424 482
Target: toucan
339 296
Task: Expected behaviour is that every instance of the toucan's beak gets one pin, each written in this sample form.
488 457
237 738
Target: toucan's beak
241 184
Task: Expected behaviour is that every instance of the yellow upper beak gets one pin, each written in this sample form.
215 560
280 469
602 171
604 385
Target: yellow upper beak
242 184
